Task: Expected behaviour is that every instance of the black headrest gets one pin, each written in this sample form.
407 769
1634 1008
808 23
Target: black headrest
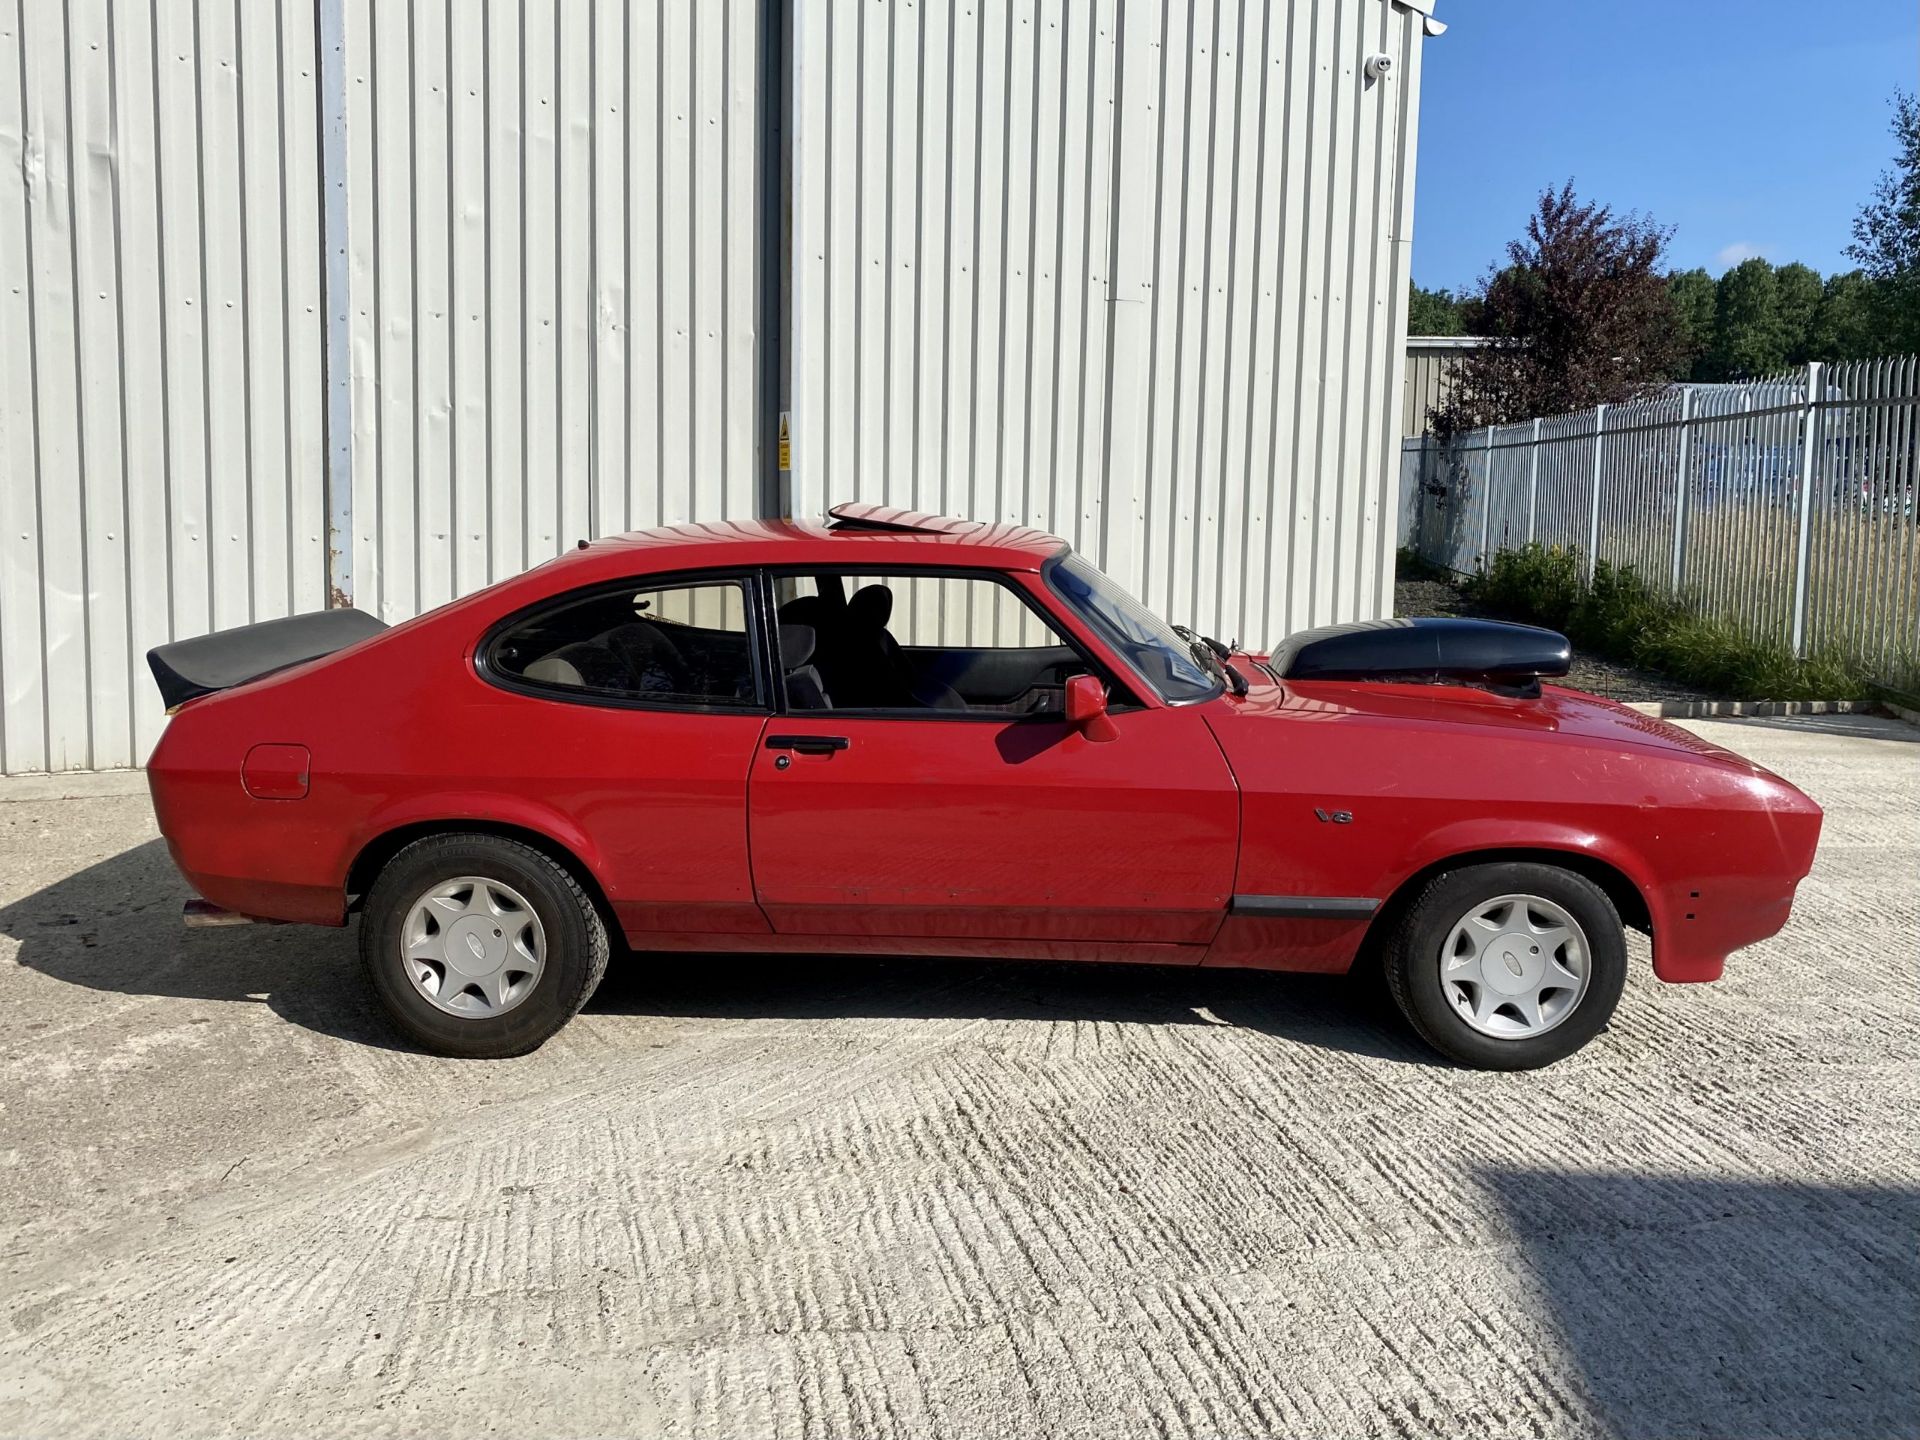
871 606
796 645
803 610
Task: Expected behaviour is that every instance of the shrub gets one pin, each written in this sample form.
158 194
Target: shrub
1535 583
1619 615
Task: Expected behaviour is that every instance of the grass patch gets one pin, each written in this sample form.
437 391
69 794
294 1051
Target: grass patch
1619 615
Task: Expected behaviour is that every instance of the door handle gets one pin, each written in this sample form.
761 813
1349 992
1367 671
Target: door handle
808 744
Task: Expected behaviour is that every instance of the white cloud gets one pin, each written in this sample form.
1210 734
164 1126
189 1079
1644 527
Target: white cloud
1729 256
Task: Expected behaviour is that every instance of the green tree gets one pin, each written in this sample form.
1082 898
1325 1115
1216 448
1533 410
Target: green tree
1886 234
1432 312
1694 295
1580 315
1749 335
1845 327
1799 291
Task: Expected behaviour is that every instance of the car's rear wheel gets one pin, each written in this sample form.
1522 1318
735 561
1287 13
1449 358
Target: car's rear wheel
479 946
1508 966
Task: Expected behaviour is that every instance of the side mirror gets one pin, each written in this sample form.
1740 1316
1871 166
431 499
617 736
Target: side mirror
1087 709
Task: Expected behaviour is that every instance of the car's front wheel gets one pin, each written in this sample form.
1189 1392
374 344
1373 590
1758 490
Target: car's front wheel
1508 966
479 946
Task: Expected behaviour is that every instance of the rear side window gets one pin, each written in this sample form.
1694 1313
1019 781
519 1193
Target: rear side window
675 645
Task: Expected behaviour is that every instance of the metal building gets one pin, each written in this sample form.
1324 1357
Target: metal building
382 301
1431 363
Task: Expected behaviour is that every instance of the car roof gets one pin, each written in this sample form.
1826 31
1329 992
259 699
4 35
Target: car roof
851 533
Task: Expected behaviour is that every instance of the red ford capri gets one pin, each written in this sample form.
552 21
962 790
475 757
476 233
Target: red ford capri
907 735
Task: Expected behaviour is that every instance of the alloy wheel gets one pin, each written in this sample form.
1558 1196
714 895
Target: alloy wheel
1515 966
473 947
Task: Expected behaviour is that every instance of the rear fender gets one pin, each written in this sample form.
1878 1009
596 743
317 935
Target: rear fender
448 810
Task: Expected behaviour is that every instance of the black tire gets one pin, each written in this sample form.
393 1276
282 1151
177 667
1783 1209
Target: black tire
576 945
1412 961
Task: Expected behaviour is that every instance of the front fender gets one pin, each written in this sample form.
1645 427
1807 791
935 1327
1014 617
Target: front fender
1696 919
1466 837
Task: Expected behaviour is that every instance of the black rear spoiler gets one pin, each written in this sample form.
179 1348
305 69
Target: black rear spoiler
1508 658
188 669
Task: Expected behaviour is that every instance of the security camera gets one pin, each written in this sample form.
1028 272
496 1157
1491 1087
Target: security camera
1378 66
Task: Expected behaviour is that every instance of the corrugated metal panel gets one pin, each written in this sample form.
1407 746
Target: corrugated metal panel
160 421
554 225
1132 273
1431 360
1136 276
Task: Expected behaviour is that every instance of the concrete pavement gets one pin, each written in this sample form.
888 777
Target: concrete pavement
831 1198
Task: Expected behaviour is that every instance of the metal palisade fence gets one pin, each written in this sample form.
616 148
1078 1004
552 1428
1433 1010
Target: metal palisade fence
1787 507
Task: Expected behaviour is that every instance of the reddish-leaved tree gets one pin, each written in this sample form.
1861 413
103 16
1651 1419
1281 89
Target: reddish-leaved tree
1581 315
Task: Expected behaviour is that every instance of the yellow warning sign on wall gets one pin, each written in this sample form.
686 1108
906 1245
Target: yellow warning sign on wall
786 445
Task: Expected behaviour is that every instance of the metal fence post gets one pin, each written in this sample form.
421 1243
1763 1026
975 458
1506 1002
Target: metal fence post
1486 501
1533 478
1593 520
1681 488
1803 547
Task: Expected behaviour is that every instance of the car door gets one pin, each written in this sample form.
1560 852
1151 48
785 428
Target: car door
982 819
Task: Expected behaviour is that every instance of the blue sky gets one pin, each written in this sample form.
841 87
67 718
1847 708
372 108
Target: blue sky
1755 127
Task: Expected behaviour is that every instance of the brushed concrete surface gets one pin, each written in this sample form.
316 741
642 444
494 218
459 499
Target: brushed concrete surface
830 1198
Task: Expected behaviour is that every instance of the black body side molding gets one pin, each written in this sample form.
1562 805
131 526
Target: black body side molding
1302 907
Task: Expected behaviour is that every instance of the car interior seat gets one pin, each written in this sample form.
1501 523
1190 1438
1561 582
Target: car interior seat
585 663
893 681
804 688
653 662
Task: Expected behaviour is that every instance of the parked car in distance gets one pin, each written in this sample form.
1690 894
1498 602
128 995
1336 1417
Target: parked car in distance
902 734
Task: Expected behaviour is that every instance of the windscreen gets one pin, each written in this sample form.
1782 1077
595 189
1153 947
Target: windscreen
1148 642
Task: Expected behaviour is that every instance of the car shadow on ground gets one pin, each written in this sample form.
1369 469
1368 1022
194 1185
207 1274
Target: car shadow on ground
1341 1013
115 926
1702 1306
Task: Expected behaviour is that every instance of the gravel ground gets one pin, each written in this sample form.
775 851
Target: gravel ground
1592 673
828 1198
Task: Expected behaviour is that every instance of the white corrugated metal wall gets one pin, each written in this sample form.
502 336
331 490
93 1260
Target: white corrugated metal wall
161 465
553 224
1132 273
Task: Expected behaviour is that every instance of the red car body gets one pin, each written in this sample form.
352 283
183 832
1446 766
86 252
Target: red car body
1267 830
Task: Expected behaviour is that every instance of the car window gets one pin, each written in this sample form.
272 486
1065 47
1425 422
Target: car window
664 645
1147 641
915 643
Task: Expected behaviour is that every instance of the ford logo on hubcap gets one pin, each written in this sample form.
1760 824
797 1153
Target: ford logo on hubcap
480 951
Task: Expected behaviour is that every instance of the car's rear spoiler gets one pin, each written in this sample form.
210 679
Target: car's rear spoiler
188 669
1438 650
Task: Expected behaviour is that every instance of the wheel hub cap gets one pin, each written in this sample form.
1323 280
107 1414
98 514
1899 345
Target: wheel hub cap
473 947
1515 966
